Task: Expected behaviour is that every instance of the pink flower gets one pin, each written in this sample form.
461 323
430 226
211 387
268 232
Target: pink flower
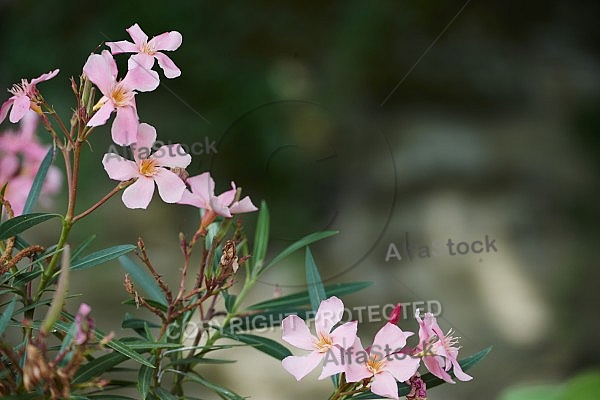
324 345
386 361
202 195
439 351
23 94
148 50
84 323
20 157
119 95
148 169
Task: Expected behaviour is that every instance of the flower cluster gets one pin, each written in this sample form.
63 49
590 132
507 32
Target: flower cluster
163 166
380 365
21 154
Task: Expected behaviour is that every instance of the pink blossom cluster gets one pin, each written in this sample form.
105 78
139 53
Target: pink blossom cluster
21 154
150 170
382 364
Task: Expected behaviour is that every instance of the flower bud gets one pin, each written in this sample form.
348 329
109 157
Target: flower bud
395 315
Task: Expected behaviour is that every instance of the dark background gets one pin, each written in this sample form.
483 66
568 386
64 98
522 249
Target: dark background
494 132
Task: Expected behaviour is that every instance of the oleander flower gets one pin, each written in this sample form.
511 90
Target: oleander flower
23 97
21 155
148 170
439 351
149 50
118 95
202 195
325 346
385 362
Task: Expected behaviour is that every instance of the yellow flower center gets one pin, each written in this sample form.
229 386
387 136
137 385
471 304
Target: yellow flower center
146 48
324 343
148 167
374 365
120 96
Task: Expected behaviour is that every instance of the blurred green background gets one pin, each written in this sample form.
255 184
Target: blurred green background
494 132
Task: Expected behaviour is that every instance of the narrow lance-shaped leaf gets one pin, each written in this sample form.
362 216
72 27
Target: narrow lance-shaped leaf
301 299
305 241
316 291
102 256
38 182
7 315
143 279
21 223
266 345
261 237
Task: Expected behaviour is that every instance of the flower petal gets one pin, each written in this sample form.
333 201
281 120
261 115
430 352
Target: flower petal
300 366
44 77
5 107
170 186
433 364
402 366
356 371
226 198
122 46
144 139
101 70
172 155
137 34
202 186
141 79
168 66
139 194
458 372
390 337
19 108
168 41
191 199
345 335
125 125
243 206
119 168
329 313
296 333
384 385
219 207
102 115
142 60
333 363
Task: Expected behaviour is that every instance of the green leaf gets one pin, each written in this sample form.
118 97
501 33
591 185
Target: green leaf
98 366
110 397
142 278
144 380
301 299
21 223
316 291
82 247
102 256
229 301
200 360
261 237
263 320
38 182
7 315
137 323
266 345
227 394
164 394
305 241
